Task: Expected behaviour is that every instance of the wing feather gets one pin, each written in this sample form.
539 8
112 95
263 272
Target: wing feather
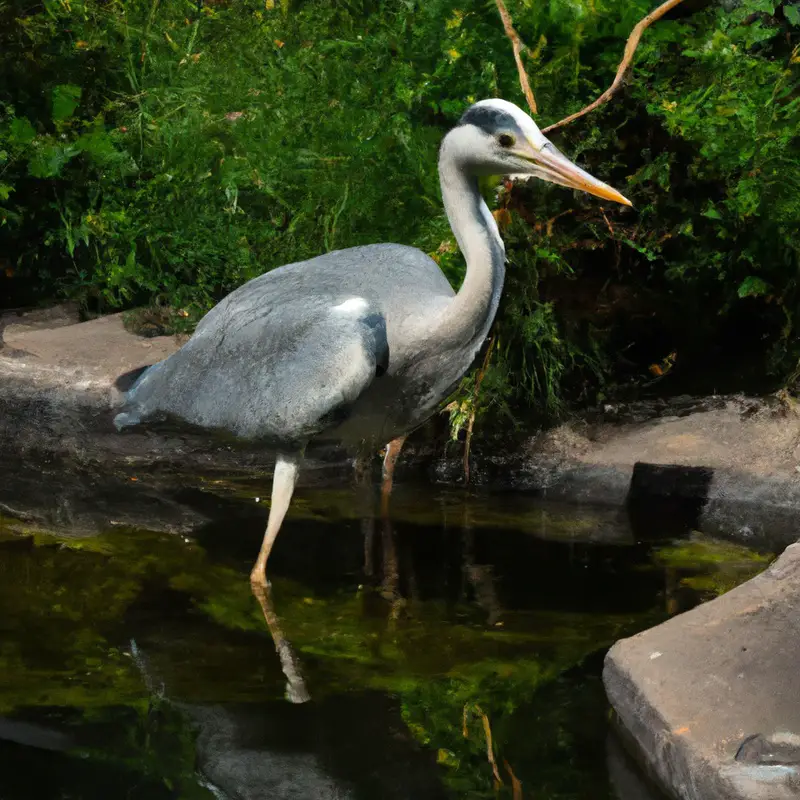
274 374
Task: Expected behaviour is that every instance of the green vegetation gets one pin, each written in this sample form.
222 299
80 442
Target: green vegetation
164 152
711 566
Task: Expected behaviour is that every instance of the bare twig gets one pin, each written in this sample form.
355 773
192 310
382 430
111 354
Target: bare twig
608 223
624 65
487 732
517 46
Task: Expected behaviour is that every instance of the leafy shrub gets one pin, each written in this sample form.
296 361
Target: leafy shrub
155 152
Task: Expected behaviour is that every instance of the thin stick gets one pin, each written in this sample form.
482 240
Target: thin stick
487 732
517 46
516 783
624 65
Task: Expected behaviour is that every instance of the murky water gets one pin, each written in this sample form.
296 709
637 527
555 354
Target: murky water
138 665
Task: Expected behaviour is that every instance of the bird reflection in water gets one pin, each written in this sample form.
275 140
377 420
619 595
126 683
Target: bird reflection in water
478 579
296 689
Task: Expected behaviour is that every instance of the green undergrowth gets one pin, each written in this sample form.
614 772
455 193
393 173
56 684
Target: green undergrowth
159 154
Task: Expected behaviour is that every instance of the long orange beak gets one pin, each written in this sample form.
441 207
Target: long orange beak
553 166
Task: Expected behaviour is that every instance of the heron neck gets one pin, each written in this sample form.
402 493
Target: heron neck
467 320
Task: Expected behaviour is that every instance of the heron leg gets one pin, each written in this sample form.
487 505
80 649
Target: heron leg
283 483
389 460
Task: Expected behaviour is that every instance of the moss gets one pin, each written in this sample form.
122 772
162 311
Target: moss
710 567
701 551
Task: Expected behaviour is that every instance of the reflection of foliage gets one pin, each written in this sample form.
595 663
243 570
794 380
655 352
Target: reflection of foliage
65 602
66 660
59 598
517 513
157 746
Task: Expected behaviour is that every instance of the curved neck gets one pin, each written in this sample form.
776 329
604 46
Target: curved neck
466 321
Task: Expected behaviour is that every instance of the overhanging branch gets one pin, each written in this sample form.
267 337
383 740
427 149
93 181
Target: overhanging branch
517 46
627 58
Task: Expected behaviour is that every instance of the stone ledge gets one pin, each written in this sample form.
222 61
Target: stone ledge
731 462
691 690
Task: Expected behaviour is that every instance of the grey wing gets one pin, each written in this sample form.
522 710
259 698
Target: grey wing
282 375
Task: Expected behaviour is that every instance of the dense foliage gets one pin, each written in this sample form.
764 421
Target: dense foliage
164 151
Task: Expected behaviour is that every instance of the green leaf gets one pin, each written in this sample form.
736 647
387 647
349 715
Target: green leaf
753 287
5 190
21 131
48 161
756 6
97 144
66 97
792 13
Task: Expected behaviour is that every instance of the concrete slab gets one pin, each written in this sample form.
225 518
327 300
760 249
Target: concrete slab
720 680
93 354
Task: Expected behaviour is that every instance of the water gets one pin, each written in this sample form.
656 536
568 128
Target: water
137 664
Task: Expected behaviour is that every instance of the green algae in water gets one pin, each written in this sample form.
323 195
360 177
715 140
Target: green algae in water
70 607
711 566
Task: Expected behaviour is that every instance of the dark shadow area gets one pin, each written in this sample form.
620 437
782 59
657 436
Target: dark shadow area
664 500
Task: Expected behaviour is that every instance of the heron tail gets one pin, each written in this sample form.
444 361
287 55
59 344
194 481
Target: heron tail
126 381
126 419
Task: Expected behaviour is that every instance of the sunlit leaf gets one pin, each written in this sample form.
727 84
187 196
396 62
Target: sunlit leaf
752 286
65 99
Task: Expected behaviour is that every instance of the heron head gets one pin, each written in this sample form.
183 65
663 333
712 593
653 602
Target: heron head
495 137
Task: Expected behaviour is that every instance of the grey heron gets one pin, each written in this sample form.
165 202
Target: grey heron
362 344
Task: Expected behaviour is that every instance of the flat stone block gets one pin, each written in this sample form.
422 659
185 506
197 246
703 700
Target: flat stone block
710 700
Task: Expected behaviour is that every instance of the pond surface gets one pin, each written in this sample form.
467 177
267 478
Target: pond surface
137 664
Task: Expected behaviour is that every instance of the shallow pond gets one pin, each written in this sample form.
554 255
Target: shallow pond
457 654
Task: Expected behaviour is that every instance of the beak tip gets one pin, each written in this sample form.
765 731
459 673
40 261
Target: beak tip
619 198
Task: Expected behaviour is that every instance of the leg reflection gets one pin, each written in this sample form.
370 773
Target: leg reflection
391 572
366 507
480 576
296 690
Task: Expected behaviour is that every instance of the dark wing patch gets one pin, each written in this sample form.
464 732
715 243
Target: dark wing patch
125 381
377 325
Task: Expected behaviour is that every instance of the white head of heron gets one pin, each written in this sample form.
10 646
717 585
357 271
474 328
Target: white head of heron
495 137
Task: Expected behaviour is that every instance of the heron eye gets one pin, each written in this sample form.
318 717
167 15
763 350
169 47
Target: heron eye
506 140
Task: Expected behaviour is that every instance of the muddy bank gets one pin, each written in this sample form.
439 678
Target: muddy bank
732 463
